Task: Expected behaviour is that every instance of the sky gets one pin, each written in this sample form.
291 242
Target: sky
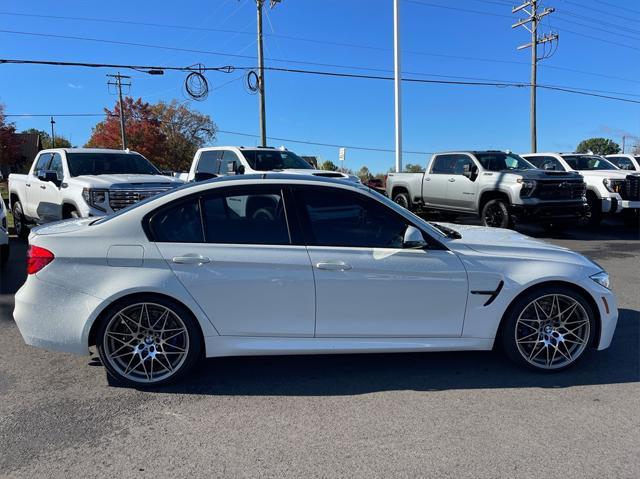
464 40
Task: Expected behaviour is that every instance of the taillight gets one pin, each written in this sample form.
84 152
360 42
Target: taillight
38 258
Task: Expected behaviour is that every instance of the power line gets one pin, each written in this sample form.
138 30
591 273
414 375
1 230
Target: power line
637 12
227 69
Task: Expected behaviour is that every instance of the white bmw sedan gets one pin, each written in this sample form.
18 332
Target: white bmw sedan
280 264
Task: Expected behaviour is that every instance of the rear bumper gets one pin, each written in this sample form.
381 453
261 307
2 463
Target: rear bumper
558 212
54 318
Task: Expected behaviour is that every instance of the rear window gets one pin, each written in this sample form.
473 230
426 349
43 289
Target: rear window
588 162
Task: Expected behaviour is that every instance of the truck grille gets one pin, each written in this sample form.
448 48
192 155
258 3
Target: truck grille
121 198
632 188
560 190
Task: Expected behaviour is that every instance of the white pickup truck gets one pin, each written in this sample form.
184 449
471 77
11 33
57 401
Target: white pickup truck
498 186
625 161
4 234
216 161
609 189
81 182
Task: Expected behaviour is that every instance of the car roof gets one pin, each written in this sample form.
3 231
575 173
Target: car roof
243 148
91 150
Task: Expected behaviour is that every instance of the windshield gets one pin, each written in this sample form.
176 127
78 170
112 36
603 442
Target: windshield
500 161
270 160
588 162
109 164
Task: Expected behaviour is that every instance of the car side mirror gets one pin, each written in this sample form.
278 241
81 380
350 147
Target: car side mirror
49 175
204 176
240 170
470 172
549 166
413 238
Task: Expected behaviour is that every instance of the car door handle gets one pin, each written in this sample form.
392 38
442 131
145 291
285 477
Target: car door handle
191 259
451 180
334 266
43 187
28 185
427 179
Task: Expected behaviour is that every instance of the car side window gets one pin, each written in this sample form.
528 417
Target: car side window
56 165
42 163
463 164
333 217
444 165
178 223
229 163
246 215
208 162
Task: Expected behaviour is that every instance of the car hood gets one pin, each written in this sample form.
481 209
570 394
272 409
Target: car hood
508 243
548 174
622 174
105 181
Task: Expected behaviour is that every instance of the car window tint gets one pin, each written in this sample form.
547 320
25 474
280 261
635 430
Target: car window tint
43 162
243 216
344 218
178 223
462 164
444 164
56 165
208 162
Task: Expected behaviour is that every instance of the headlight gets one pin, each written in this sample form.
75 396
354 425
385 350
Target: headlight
615 186
95 198
528 186
602 278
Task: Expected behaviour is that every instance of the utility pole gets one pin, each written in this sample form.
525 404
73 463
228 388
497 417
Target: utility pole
530 23
118 83
261 89
53 135
397 80
623 139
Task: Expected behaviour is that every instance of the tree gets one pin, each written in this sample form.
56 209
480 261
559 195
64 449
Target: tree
413 168
45 139
9 143
364 174
144 133
328 165
599 146
184 131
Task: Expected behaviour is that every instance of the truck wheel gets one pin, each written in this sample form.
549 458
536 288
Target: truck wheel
402 198
594 212
4 254
19 221
71 213
495 214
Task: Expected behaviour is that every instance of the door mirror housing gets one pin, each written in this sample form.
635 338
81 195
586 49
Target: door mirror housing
240 170
470 171
413 238
49 175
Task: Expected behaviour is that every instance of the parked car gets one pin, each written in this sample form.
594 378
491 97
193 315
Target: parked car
625 161
81 182
377 184
500 187
4 234
609 189
215 161
288 264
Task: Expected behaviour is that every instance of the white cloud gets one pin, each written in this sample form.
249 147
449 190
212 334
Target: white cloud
74 86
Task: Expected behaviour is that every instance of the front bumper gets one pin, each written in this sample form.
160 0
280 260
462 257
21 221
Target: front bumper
54 318
567 212
608 308
629 204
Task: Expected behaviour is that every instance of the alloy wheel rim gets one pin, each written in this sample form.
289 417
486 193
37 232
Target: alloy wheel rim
494 216
552 331
17 215
146 342
401 201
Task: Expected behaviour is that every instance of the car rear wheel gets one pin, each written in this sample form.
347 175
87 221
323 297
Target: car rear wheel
548 329
19 221
594 210
495 214
402 198
148 342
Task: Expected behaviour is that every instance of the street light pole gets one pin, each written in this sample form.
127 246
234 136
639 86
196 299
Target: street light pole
397 80
53 135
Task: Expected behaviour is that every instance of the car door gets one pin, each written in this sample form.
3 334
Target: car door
50 203
232 250
461 189
436 180
367 284
35 188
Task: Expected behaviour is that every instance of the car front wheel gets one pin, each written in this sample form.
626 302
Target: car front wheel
548 328
495 214
148 342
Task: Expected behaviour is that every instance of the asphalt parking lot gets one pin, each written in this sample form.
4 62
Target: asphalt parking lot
440 414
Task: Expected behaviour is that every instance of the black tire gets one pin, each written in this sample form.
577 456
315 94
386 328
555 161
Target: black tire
71 213
19 221
594 210
111 320
582 314
495 213
402 198
4 254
